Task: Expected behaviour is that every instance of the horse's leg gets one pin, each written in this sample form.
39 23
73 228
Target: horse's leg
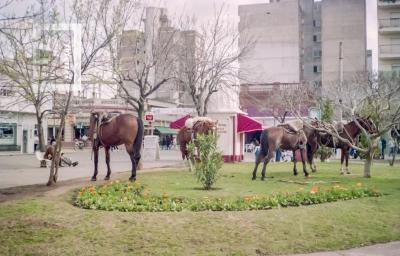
341 161
96 161
266 161
347 161
259 157
107 150
294 163
135 157
310 157
303 162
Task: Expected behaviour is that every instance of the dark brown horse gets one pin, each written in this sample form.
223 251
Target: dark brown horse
279 137
189 131
124 129
349 131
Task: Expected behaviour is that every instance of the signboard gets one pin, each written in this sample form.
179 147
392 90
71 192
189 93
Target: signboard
150 148
149 117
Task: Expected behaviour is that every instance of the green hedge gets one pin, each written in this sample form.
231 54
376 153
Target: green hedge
132 197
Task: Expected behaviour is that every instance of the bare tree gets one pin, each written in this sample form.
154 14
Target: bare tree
29 62
209 59
143 59
372 95
97 29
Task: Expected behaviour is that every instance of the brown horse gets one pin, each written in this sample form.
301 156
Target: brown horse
279 137
186 133
124 129
349 131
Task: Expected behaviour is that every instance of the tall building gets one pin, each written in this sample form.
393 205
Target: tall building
297 42
389 35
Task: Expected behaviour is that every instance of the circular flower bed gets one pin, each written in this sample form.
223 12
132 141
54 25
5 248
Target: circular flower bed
133 197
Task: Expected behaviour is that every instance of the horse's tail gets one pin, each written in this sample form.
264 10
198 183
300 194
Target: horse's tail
137 145
264 146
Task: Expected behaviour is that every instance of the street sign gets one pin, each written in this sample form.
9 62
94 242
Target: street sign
149 117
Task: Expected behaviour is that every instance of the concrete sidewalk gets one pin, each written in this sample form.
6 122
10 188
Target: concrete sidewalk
389 249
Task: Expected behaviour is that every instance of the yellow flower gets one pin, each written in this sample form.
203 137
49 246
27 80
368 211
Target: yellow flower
125 198
165 195
117 181
359 184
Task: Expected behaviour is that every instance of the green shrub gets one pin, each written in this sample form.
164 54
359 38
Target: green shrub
132 197
324 153
210 160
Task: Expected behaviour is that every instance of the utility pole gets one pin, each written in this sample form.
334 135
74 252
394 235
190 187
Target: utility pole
340 80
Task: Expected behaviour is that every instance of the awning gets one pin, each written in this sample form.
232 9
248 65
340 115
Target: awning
178 124
247 124
165 130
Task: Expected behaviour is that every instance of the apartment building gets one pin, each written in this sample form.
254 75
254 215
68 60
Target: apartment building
297 42
389 35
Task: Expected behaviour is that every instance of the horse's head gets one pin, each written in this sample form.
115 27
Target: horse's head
367 124
94 119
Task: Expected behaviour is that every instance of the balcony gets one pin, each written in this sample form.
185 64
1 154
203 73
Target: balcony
390 25
388 3
389 51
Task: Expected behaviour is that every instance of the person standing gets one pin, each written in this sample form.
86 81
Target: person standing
383 147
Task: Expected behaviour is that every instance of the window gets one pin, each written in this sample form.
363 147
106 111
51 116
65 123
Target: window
317 23
317 38
8 134
396 67
317 68
317 53
5 91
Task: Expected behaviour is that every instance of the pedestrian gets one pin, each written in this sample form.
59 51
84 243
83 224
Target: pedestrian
52 140
383 147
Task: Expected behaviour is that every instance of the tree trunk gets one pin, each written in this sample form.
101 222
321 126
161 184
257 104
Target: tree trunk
141 115
368 164
39 119
395 148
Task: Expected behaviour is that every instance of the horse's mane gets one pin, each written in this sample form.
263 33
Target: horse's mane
191 121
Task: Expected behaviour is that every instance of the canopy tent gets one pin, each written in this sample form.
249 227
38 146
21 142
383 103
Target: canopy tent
247 124
178 124
165 130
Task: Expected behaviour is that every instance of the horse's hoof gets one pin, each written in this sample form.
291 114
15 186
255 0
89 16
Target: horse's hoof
341 173
348 172
295 173
254 178
133 179
306 175
93 179
314 171
262 178
107 178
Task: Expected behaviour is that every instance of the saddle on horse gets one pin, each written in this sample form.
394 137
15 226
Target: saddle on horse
294 126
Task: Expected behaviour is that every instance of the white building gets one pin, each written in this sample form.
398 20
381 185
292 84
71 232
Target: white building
298 41
18 124
389 35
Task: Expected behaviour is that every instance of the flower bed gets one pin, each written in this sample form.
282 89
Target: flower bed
133 197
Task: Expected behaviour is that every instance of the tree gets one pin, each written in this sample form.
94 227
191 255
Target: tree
29 60
143 60
374 95
97 30
209 58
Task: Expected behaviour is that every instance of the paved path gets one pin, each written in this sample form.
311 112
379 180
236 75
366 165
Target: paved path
23 169
389 249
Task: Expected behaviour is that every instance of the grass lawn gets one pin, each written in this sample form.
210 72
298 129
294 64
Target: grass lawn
51 225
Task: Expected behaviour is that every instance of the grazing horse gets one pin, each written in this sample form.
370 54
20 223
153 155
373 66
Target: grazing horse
349 131
279 137
193 126
123 129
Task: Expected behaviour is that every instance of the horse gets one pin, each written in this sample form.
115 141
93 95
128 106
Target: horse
349 131
279 137
193 126
123 129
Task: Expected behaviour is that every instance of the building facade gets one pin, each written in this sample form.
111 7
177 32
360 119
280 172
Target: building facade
389 35
297 41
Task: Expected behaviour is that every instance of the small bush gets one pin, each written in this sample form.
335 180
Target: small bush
132 197
205 159
324 153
